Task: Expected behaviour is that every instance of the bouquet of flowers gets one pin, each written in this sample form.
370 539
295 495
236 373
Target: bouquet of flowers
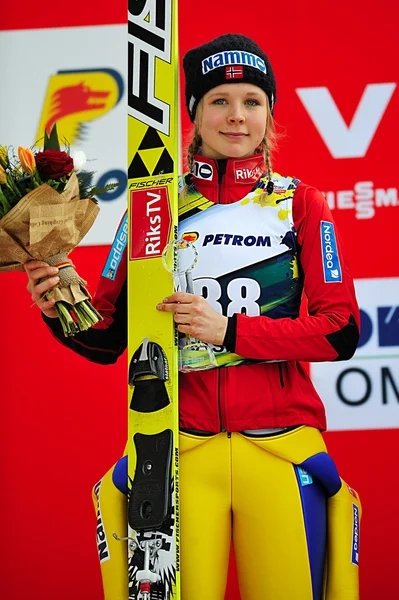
47 206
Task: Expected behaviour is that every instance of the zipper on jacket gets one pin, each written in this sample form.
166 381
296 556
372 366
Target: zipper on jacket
222 166
280 370
222 427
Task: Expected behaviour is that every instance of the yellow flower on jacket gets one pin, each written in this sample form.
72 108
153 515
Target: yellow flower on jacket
27 160
3 176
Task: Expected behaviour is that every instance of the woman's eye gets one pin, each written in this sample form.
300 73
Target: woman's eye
222 101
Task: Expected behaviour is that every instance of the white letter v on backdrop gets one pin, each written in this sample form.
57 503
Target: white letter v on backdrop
343 141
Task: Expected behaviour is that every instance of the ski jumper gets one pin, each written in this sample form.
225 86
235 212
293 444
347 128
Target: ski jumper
254 467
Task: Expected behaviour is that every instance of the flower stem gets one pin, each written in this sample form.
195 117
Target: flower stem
12 186
68 324
4 202
85 314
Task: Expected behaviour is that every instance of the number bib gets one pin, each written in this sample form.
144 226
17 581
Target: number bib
247 255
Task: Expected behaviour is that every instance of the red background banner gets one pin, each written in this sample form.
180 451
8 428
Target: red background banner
64 419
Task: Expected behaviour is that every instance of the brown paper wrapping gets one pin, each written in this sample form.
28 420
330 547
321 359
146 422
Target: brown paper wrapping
71 288
45 224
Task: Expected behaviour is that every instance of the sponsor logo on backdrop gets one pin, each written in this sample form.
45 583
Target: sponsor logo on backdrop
152 208
381 323
363 199
117 250
84 90
379 337
363 393
74 98
344 141
331 264
352 141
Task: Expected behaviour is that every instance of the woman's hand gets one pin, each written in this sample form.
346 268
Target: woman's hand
196 317
36 270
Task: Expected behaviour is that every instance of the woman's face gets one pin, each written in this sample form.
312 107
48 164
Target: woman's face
233 120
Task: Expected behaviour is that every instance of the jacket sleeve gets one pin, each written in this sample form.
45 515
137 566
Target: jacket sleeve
107 340
330 330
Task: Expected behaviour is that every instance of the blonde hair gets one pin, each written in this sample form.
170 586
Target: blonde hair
267 145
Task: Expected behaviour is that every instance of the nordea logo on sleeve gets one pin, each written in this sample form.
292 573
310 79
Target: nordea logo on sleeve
329 250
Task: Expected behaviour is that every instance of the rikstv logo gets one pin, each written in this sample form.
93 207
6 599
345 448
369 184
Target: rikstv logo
151 226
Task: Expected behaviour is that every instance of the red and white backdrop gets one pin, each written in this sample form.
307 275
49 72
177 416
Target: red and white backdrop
63 420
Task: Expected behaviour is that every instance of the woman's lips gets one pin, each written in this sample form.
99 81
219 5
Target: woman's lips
234 136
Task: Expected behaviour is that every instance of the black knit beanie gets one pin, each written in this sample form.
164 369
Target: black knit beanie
230 58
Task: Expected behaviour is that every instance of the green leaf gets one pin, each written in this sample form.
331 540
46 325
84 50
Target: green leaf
51 141
99 191
5 205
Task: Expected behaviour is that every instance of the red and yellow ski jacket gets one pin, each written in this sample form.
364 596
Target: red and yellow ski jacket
270 388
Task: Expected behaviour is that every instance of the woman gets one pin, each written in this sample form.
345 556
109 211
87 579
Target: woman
254 468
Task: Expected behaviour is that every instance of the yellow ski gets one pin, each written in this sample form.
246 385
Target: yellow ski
153 509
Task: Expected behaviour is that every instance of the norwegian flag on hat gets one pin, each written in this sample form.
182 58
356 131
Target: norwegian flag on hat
234 72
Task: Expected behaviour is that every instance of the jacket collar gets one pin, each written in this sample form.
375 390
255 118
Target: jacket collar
227 180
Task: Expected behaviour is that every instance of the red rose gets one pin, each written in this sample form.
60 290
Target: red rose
53 164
